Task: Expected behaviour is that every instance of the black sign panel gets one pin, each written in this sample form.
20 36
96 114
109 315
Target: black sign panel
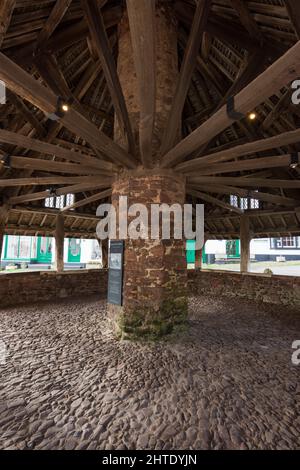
115 275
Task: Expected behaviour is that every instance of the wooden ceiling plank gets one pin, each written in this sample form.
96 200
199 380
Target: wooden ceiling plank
141 14
279 74
98 33
186 72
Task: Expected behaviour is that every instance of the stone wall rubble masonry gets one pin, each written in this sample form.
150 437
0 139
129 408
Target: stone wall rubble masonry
277 290
31 287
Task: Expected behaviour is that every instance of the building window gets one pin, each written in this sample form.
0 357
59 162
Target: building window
60 202
245 203
285 243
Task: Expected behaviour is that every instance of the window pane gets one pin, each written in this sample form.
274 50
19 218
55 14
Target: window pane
70 199
24 248
12 247
60 202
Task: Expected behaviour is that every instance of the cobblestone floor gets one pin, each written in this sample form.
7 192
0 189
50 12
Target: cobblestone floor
226 384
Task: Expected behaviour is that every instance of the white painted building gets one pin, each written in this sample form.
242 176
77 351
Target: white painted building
261 249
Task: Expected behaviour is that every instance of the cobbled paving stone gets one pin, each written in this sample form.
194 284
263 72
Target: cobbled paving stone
227 383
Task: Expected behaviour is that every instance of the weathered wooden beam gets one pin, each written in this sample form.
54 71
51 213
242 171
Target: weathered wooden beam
279 140
28 143
247 20
28 115
293 9
38 196
98 33
89 200
262 196
59 243
6 11
49 70
53 180
26 163
213 200
20 82
104 251
186 72
141 14
67 37
245 237
53 213
4 209
251 182
276 161
55 17
279 74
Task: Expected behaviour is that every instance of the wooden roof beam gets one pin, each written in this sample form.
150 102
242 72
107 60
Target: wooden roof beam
89 200
276 161
214 201
233 190
280 140
62 39
186 72
26 163
98 33
20 82
293 9
6 11
55 17
247 21
28 143
27 114
141 14
279 74
250 182
38 196
54 181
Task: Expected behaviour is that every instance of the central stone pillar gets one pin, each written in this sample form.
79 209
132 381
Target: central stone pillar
155 275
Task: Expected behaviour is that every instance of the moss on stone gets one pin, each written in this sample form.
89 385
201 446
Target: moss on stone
146 324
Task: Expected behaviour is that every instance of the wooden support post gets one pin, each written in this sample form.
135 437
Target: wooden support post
198 259
245 236
1 241
104 249
3 216
59 243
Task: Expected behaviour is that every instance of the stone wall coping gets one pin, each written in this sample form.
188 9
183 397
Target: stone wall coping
236 273
52 273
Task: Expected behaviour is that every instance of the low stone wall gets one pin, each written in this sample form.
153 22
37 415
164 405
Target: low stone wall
279 290
30 287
